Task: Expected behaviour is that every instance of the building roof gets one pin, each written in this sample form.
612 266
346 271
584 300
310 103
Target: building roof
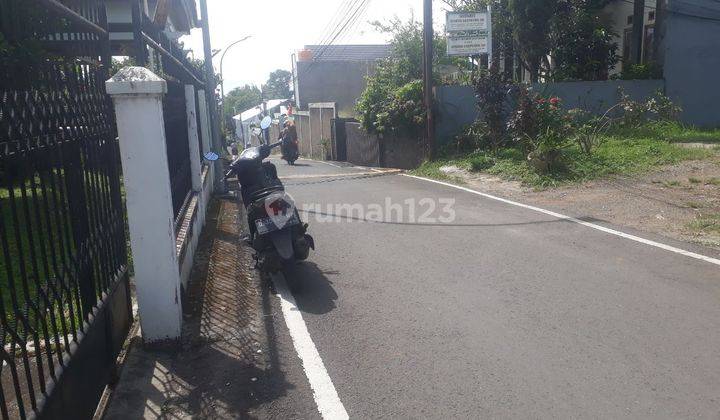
258 109
349 52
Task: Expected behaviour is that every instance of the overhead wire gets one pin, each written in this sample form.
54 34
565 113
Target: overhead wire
342 27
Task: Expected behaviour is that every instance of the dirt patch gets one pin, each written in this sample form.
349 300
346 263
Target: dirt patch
672 201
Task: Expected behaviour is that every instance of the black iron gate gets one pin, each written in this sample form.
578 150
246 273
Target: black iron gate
64 296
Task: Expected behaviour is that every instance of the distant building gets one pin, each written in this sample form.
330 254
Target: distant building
336 74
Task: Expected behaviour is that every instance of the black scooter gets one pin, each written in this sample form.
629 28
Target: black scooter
277 233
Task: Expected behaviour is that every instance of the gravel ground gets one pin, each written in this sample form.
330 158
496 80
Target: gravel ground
664 202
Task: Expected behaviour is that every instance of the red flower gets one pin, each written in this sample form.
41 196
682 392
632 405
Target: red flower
554 100
541 100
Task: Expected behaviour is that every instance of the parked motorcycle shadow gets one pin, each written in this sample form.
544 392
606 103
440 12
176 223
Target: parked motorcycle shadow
311 287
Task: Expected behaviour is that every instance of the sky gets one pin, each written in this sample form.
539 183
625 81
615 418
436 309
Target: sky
280 28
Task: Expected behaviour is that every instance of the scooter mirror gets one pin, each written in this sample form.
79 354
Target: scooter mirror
211 156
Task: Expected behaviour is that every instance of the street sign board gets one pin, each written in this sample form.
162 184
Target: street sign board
466 21
467 44
469 33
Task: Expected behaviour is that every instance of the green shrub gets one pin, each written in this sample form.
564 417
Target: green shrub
472 138
634 113
491 91
588 129
641 71
662 107
540 127
480 163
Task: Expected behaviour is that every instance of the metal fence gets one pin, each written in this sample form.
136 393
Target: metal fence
62 231
166 58
176 135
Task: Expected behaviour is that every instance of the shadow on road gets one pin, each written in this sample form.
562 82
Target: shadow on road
311 287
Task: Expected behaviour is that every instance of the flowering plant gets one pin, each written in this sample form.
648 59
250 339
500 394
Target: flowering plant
541 127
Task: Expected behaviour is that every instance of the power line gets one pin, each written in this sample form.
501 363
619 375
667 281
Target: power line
339 31
345 25
353 26
333 22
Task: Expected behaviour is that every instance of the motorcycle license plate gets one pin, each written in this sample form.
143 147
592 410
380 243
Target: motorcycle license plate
267 225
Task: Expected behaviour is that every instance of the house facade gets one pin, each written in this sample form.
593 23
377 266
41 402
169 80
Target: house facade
335 74
177 17
620 15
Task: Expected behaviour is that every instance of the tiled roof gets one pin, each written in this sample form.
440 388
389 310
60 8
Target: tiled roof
349 52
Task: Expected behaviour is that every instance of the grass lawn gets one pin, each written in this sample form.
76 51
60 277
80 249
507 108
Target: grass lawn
38 239
36 256
622 152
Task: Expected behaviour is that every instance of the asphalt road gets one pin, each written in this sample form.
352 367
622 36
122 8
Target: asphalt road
505 312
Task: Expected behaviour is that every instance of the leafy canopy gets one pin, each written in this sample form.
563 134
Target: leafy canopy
570 31
393 98
278 85
241 99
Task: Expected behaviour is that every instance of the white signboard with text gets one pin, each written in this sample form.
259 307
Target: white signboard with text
460 21
467 45
469 33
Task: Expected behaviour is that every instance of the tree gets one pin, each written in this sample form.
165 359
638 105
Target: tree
570 31
502 39
531 31
278 85
241 99
583 47
393 98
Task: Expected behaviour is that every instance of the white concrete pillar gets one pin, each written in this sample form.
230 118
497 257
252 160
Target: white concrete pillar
193 140
137 94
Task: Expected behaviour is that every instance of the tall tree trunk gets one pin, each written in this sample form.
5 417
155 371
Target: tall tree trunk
534 68
509 56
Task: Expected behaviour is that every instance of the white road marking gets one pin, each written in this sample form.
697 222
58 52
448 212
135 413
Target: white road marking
326 162
326 398
578 221
341 174
366 168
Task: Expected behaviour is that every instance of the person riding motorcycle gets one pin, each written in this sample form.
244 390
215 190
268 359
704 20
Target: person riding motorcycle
289 149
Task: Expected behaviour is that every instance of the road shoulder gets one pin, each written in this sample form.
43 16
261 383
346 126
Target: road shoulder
235 358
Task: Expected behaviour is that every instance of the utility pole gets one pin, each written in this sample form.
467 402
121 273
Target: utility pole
210 94
638 26
428 76
209 74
